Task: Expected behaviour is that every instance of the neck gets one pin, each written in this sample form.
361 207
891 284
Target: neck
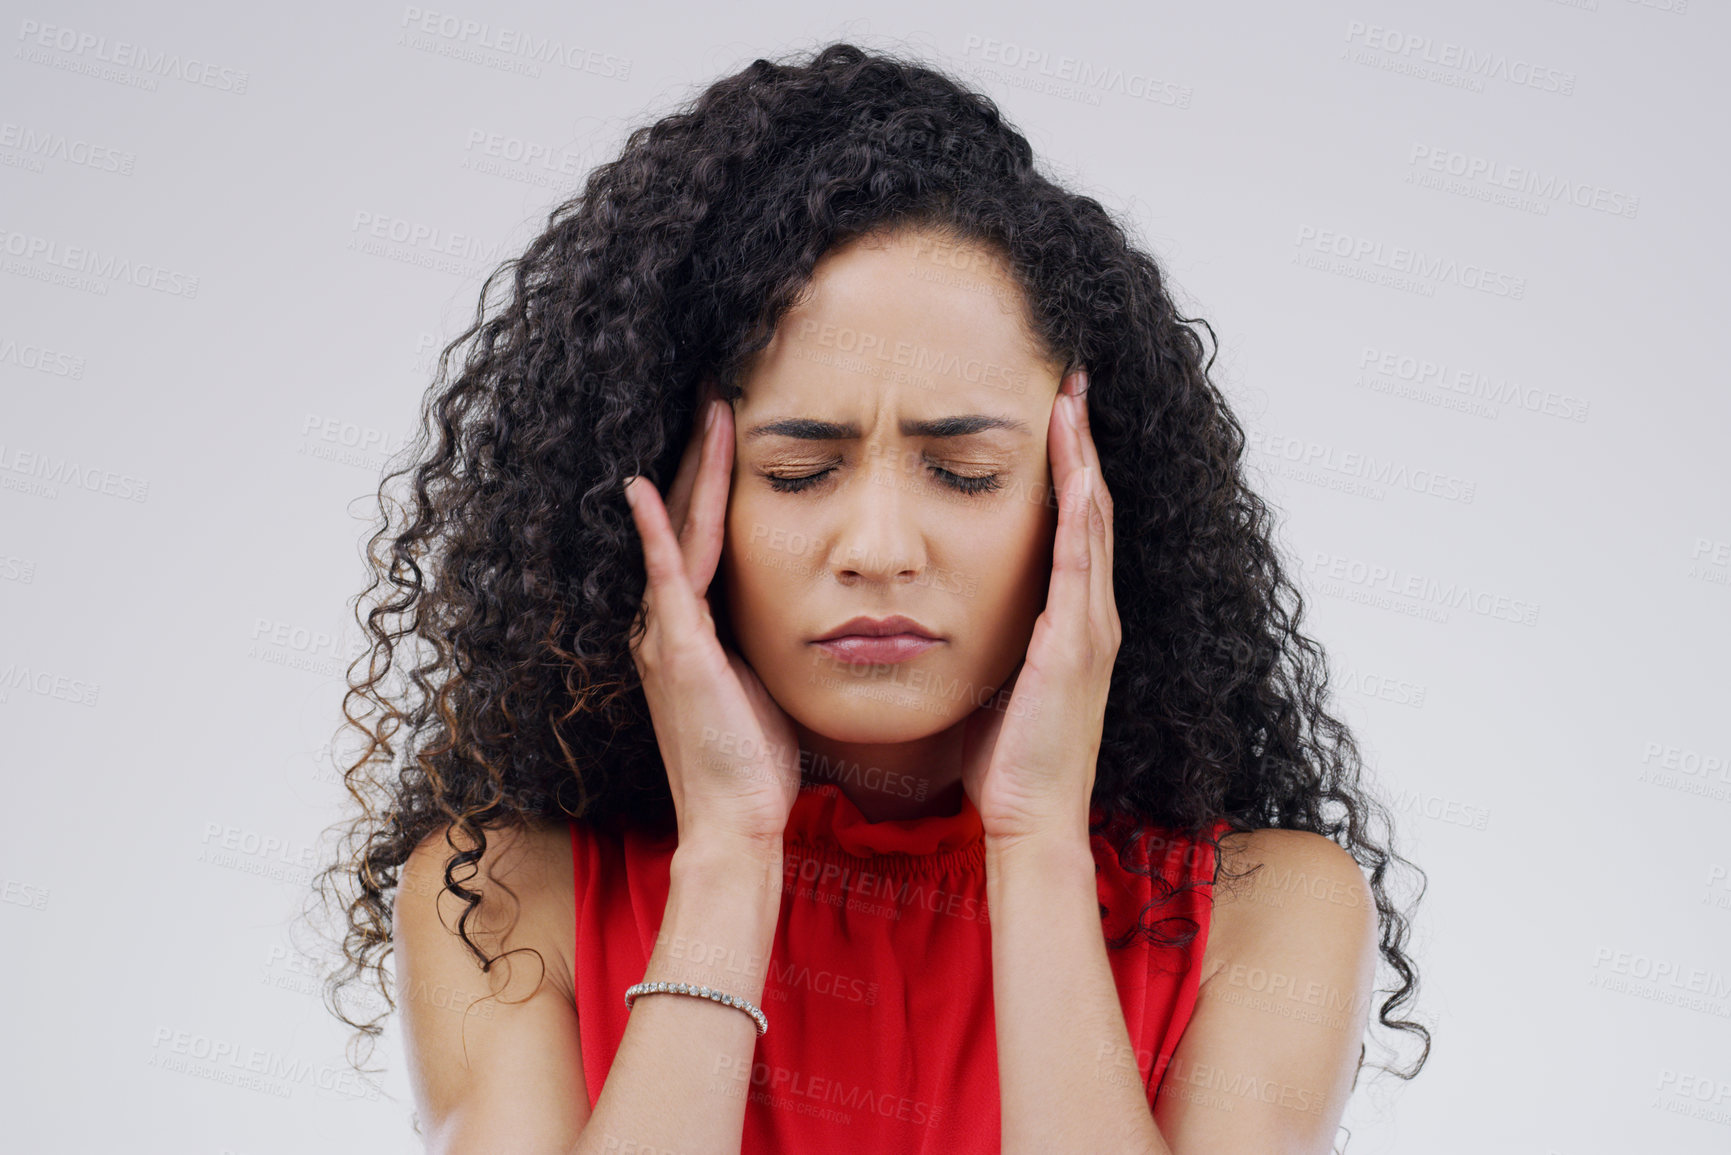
889 781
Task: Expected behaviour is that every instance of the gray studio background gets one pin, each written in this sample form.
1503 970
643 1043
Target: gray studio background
1467 267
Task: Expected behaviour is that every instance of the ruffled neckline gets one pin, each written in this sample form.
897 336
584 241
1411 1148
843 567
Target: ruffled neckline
823 815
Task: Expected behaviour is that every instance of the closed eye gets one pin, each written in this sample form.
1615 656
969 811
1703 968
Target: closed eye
985 483
961 483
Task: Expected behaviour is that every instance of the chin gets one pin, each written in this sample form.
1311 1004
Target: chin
871 711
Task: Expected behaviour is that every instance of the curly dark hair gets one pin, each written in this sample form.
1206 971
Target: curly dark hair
516 576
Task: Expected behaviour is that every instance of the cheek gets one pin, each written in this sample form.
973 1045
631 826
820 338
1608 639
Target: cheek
765 552
1003 563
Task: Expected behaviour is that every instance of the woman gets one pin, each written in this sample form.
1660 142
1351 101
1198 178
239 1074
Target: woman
922 755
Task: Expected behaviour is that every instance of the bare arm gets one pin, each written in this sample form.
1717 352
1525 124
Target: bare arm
1063 1049
1269 1056
1062 1042
1061 1032
682 1074
505 1075
1272 1050
680 1079
489 1074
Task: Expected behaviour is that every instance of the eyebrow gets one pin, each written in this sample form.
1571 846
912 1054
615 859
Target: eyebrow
810 429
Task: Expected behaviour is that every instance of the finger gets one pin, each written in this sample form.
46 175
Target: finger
1068 595
1073 564
667 591
1103 607
1091 455
679 492
1009 686
703 480
1062 447
706 527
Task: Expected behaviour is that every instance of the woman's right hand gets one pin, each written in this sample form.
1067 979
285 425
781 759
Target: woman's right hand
731 753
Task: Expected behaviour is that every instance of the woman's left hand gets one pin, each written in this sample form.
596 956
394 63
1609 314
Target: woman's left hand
1028 767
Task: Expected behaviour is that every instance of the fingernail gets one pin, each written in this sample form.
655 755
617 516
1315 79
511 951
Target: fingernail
1081 382
630 496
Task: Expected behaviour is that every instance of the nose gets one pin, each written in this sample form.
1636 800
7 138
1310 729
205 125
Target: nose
880 536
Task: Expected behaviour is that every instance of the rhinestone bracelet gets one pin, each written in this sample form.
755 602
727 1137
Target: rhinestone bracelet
727 1000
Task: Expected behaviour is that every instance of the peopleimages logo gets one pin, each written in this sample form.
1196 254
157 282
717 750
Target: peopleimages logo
42 473
1547 187
1469 382
1088 78
47 684
49 144
1365 467
261 1069
373 233
1407 262
1480 64
1335 572
100 266
88 46
514 42
40 359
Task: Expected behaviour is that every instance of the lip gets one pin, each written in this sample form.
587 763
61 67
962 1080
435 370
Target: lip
868 627
878 641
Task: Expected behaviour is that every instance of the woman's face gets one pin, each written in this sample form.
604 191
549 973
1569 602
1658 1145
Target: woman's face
890 459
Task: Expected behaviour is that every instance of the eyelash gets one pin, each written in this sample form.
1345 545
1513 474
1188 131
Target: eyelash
972 486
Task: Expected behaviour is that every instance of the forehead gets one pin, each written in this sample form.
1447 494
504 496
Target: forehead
912 320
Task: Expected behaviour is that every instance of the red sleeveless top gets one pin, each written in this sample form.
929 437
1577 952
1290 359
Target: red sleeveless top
879 985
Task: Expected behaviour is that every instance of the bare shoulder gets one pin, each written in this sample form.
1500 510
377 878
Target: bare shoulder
492 1044
522 883
1275 884
1288 978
